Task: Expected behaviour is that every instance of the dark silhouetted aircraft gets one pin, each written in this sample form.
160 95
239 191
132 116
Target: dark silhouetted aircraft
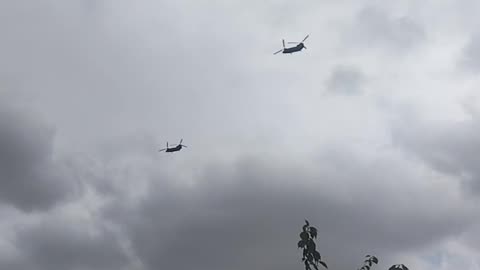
290 50
173 149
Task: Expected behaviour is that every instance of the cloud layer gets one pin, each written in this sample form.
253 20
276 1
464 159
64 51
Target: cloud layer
30 177
384 164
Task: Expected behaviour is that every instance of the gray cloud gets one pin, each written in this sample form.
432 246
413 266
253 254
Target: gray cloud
450 148
248 215
345 80
29 177
62 244
471 54
117 79
375 28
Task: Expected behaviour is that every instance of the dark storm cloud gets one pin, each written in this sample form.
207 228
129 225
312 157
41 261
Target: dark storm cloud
29 177
451 148
345 80
248 215
59 244
374 27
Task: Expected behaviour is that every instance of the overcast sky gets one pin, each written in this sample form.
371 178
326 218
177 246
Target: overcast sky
371 134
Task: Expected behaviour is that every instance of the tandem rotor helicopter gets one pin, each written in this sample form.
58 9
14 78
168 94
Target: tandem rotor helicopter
173 149
291 50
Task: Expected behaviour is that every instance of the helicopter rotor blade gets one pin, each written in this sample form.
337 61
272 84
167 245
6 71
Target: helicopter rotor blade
183 145
305 38
278 51
181 140
283 42
293 42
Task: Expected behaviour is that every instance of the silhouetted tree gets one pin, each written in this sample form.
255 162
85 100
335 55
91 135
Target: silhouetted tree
398 267
311 257
369 261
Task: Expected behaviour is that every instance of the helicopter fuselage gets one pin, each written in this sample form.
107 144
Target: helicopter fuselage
300 46
297 48
174 149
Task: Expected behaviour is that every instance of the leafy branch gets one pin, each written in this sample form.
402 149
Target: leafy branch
311 257
369 261
398 267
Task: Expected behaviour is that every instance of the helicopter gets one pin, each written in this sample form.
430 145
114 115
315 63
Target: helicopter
291 50
173 149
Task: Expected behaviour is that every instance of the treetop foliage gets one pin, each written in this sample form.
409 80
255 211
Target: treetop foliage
311 257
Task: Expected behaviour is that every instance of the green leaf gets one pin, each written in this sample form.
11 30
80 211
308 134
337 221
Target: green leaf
311 245
301 243
307 223
304 236
375 260
310 257
398 266
324 264
313 232
316 255
307 266
315 266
